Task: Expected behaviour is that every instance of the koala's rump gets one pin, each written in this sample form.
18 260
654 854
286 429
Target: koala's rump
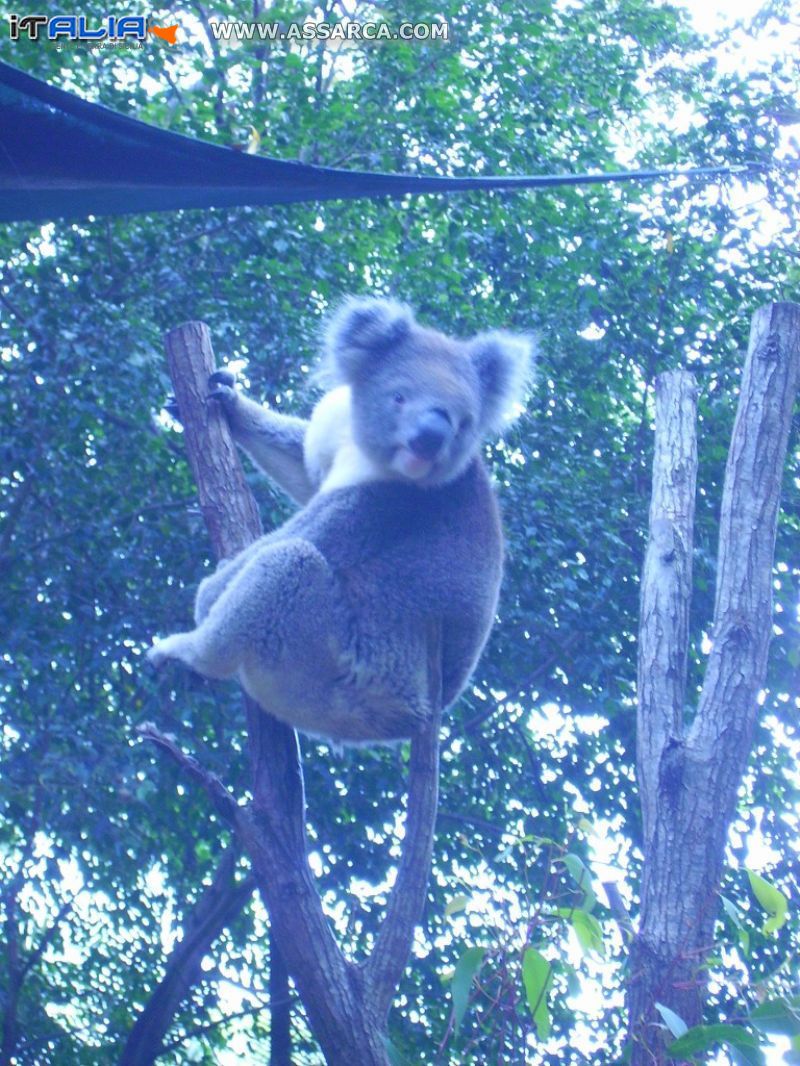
406 556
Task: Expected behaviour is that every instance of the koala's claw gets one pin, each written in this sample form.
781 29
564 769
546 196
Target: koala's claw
221 385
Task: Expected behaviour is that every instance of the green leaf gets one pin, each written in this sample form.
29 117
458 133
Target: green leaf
466 968
772 900
735 916
732 911
747 1056
537 974
588 931
702 1038
779 1016
202 851
582 878
395 1057
456 904
676 1025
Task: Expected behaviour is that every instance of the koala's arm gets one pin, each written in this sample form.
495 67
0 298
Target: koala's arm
273 441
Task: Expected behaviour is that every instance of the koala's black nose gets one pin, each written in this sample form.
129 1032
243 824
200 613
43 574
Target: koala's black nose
432 430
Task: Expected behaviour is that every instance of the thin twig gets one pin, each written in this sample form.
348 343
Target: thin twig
224 801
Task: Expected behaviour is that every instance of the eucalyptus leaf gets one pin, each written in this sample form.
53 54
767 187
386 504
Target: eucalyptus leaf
465 971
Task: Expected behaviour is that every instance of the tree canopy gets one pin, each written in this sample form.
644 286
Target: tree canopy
104 847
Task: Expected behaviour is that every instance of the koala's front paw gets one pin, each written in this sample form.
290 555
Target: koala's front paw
222 387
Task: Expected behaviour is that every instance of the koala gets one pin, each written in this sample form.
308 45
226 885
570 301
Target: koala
327 620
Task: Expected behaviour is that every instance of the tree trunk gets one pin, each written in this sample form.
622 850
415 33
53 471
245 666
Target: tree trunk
689 775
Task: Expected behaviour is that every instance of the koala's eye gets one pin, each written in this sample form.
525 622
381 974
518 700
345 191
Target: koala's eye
399 399
465 422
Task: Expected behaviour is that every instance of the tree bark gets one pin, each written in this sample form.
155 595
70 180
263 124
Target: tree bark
280 1023
689 776
666 588
346 1002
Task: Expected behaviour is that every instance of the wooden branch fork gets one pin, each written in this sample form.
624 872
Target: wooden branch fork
347 1003
690 765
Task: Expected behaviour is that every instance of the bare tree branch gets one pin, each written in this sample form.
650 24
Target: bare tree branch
224 802
217 907
209 1027
35 956
748 524
666 584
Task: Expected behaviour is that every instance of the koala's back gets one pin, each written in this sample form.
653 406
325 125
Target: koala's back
405 556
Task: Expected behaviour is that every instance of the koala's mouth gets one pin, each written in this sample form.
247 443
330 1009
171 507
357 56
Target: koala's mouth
410 465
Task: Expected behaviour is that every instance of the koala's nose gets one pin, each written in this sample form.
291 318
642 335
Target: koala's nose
432 430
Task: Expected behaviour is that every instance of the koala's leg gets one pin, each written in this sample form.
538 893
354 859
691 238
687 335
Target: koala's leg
211 588
284 626
283 606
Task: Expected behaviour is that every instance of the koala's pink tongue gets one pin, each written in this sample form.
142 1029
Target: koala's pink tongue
408 464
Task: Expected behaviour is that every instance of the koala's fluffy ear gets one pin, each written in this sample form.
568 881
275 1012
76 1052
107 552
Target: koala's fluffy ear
504 364
364 327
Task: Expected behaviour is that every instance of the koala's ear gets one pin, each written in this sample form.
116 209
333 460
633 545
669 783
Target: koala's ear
504 363
363 328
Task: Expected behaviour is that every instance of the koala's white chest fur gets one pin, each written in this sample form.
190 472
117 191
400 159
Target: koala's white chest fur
332 458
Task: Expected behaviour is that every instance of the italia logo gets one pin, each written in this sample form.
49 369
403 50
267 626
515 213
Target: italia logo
80 28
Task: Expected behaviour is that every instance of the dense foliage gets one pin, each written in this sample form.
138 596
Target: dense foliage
103 846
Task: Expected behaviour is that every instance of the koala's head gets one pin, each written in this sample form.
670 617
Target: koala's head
421 401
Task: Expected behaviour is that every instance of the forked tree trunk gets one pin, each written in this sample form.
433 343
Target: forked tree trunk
690 766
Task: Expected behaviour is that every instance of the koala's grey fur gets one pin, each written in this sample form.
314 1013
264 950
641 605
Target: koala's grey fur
326 620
